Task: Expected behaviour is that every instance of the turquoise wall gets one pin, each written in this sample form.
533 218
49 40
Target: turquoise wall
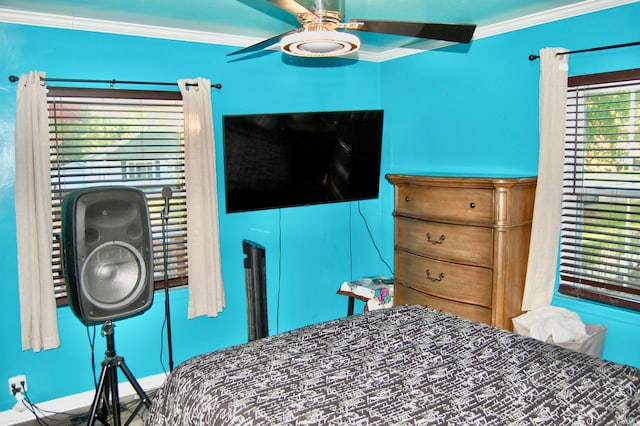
445 111
310 250
477 112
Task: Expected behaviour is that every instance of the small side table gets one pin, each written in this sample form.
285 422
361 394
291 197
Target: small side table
376 292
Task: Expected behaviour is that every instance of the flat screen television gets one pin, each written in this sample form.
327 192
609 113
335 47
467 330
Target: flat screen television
294 159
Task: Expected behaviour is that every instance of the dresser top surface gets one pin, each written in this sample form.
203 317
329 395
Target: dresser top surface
459 180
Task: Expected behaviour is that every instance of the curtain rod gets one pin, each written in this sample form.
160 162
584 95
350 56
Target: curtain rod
13 79
593 49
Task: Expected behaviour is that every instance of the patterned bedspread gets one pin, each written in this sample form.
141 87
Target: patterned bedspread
404 365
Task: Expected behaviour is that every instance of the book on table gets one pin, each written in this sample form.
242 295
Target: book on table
370 287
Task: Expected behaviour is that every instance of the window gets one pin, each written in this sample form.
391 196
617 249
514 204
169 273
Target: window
121 137
600 236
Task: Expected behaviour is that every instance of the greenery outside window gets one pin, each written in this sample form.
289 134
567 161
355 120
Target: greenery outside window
121 137
600 234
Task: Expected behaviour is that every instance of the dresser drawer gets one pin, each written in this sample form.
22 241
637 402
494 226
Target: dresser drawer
468 205
466 244
468 284
403 295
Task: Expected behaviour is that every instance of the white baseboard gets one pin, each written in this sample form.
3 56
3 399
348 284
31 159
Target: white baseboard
78 401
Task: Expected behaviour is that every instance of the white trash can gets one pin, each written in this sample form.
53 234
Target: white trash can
591 343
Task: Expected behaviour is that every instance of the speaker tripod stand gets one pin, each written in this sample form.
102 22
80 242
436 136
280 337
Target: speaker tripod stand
107 400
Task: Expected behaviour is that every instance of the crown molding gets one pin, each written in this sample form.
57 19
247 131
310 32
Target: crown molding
551 15
22 17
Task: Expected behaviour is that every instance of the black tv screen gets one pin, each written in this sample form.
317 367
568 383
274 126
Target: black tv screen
303 158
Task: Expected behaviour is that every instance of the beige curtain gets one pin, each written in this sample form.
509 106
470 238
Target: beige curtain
206 291
33 216
543 249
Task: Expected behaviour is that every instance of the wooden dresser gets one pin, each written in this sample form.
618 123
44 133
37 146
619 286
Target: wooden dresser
461 244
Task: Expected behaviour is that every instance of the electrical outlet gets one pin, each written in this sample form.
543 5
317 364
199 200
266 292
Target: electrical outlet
17 384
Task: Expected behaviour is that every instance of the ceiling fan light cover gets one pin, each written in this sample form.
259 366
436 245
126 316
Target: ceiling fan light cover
316 44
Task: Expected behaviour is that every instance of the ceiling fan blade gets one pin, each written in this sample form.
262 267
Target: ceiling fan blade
292 6
264 44
460 33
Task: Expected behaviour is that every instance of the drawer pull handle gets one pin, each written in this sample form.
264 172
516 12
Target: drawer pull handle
434 242
472 205
432 279
407 199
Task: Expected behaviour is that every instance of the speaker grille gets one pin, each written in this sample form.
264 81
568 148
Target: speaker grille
113 275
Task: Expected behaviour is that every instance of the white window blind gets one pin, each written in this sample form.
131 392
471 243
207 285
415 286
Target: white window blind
600 236
134 138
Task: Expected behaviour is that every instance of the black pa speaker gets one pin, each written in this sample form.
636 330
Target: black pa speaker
107 253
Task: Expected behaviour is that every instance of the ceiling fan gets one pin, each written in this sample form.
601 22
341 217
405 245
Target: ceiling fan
322 32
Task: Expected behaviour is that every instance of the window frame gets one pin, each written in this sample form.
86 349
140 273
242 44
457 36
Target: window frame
588 282
176 220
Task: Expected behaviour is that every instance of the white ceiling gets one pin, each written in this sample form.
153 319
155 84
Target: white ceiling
245 22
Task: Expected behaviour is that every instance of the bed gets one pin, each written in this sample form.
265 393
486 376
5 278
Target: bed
402 365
